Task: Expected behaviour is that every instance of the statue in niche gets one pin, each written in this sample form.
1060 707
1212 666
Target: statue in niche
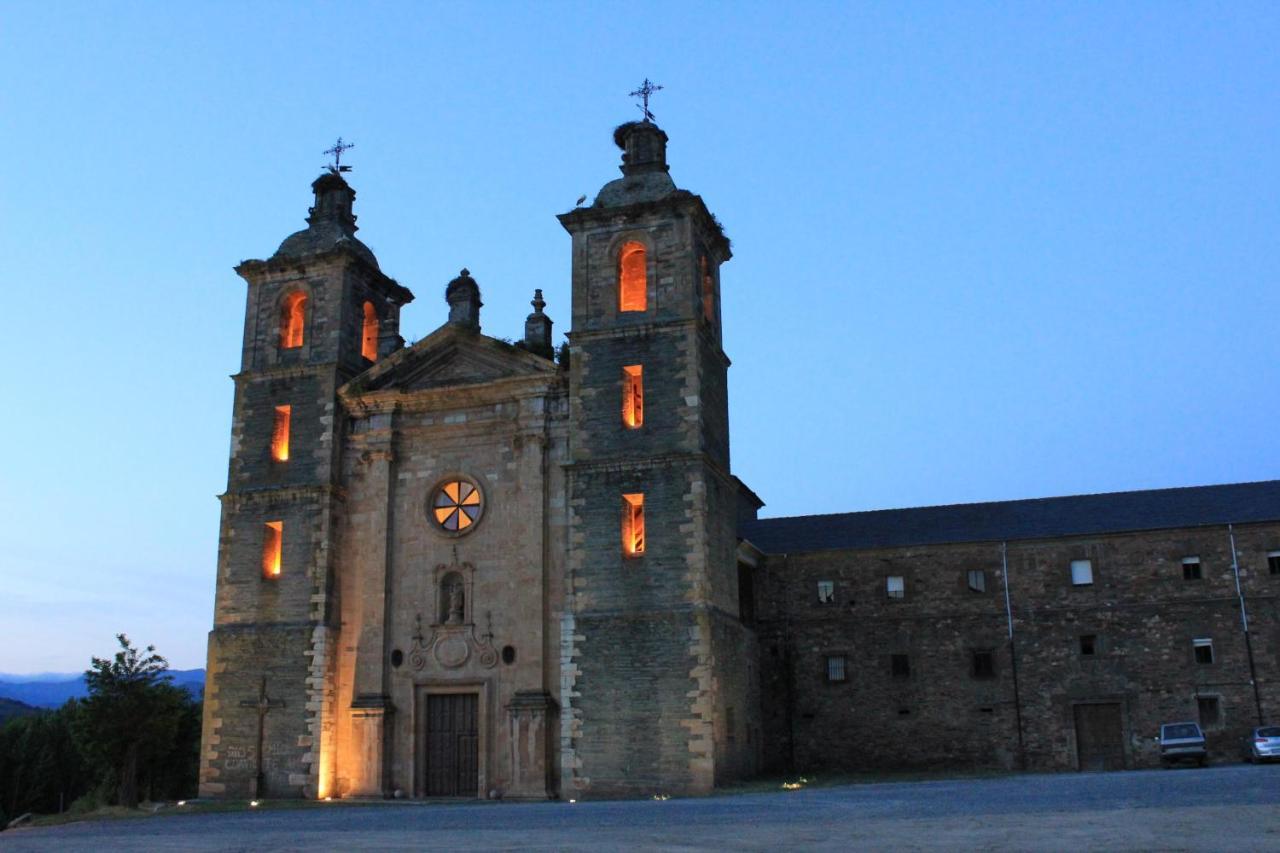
454 600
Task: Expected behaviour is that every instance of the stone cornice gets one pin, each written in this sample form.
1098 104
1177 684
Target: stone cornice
681 201
452 397
278 494
344 255
641 463
639 331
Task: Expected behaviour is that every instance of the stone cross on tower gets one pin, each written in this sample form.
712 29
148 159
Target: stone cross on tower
263 704
646 89
336 151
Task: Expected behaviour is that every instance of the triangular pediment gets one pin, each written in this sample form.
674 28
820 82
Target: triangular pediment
450 357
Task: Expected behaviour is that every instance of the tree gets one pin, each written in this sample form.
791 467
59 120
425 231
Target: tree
129 725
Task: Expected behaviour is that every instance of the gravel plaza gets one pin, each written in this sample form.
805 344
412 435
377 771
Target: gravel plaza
1235 807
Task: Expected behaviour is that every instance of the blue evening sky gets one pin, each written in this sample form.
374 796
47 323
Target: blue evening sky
982 251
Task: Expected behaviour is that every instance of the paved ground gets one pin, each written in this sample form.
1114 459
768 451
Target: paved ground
1219 808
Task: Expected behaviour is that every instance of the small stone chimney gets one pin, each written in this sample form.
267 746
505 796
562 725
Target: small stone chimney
537 328
463 296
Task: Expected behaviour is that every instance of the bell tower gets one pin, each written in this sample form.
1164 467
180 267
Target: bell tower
318 312
656 680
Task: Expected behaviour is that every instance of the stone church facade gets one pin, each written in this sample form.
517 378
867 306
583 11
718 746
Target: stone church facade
472 568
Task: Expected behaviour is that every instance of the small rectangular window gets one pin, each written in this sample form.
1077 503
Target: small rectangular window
1191 568
1273 562
895 586
272 548
900 666
1210 708
977 580
1203 650
280 434
984 664
1081 572
633 524
826 592
633 396
836 668
1088 645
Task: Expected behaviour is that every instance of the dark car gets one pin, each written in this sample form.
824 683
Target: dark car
1182 742
1262 744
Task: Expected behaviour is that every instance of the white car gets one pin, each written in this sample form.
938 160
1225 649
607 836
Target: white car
1262 744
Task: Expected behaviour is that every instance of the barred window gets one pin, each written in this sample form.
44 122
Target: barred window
895 586
977 581
1203 649
1081 572
836 668
1191 568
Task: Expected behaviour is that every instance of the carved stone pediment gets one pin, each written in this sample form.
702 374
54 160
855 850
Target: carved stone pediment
448 357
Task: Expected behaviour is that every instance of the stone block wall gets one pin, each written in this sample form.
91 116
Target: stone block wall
1140 611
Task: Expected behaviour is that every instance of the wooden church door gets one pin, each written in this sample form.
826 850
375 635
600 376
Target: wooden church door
453 745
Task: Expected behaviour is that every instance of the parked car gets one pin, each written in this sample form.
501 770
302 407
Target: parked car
1262 744
1182 742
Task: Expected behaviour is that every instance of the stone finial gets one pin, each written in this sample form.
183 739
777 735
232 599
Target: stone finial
644 147
463 296
334 201
537 328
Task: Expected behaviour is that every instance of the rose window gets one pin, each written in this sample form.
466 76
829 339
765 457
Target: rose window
456 506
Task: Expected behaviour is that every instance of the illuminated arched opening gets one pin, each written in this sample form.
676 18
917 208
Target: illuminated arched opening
293 317
633 524
280 434
272 549
369 333
632 284
633 396
708 293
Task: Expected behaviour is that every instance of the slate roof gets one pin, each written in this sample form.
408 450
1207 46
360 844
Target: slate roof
1039 518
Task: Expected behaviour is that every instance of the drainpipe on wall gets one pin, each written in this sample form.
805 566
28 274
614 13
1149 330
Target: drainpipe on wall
788 667
1013 654
1244 623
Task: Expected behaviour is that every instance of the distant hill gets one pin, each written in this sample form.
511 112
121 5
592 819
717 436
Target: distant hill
11 709
50 690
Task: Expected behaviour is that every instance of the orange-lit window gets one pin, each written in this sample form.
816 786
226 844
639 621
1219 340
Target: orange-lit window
632 286
369 333
293 315
633 396
708 294
633 525
272 548
456 505
280 434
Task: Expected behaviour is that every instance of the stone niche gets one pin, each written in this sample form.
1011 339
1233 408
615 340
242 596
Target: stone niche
454 639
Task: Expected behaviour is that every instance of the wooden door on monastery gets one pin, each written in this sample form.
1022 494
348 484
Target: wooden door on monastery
453 745
1099 737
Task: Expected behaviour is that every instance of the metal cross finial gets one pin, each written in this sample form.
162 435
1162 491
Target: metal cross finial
646 89
336 151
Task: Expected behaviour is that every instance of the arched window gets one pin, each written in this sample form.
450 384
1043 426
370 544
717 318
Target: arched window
633 524
369 333
632 286
293 318
708 293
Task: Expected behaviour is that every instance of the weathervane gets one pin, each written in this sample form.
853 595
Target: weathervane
646 89
336 151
